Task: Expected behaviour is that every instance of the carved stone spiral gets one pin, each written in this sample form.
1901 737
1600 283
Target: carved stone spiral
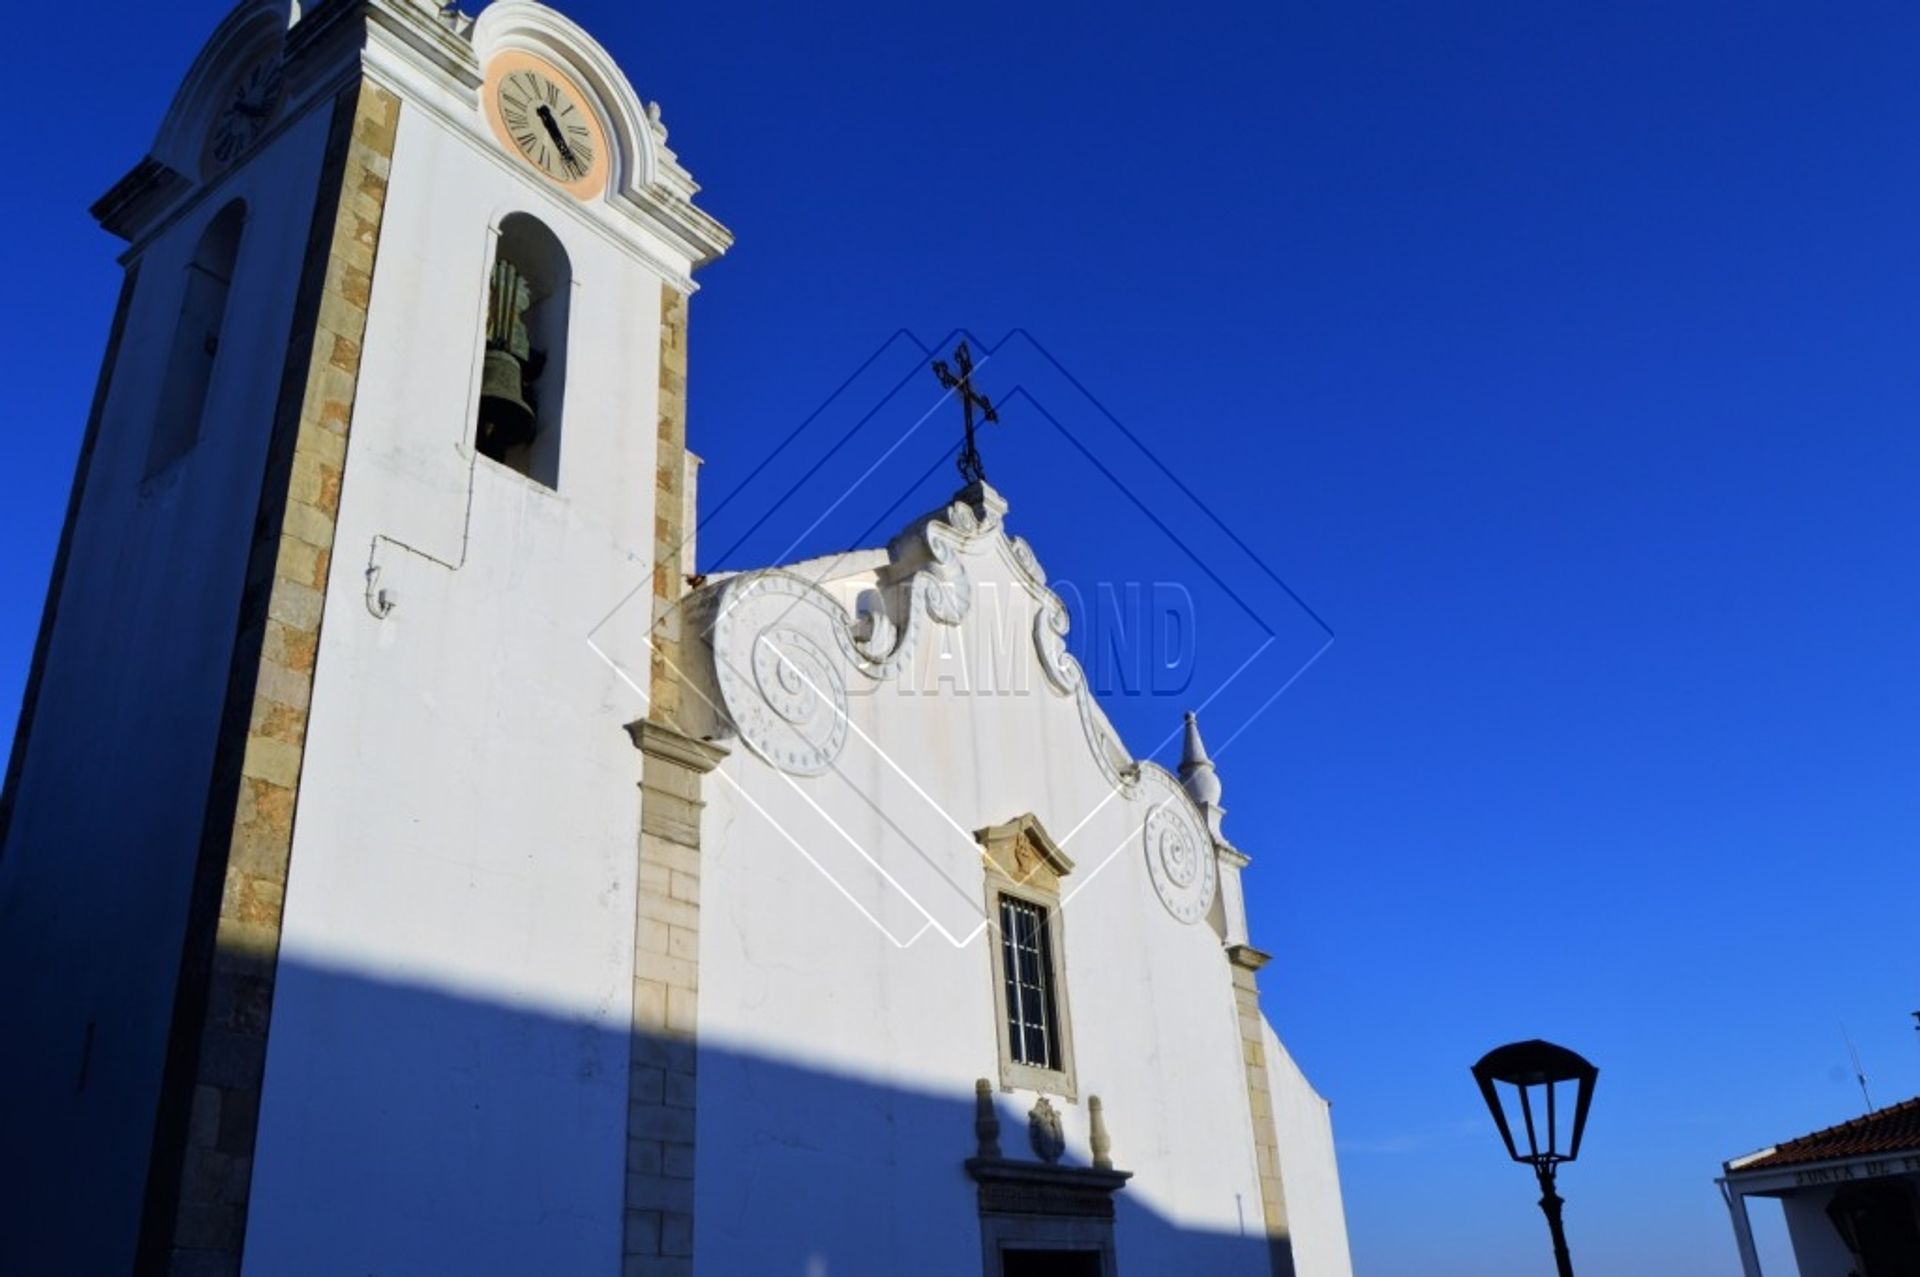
943 587
1050 626
1179 851
1179 857
779 676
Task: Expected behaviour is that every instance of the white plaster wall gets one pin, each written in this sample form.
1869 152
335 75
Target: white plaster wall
1817 1248
99 861
838 1061
1303 1122
446 1083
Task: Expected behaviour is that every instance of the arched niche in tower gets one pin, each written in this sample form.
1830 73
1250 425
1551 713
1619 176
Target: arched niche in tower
182 403
524 377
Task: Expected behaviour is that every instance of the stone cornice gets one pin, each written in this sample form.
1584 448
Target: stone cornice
996 837
657 740
1248 958
433 59
146 189
1034 1188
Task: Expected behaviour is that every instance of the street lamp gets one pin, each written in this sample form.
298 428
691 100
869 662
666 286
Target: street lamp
1536 1072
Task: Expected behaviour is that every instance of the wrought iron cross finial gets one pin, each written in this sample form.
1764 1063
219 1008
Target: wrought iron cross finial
972 470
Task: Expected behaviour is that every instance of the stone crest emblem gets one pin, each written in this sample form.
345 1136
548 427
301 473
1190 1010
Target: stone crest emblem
1044 1131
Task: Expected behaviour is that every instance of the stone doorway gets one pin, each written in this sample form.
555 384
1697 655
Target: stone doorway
1042 1219
1051 1263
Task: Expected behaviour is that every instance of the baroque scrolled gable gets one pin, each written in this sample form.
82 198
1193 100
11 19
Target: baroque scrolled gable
787 654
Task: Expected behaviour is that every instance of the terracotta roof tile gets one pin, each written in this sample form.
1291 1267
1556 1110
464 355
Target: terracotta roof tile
1895 1129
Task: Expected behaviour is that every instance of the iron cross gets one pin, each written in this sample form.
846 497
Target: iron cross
971 468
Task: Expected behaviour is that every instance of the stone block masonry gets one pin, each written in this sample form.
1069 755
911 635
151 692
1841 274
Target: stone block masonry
670 530
201 1172
1246 962
662 1086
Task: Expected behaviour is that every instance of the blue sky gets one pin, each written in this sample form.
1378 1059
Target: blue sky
1562 359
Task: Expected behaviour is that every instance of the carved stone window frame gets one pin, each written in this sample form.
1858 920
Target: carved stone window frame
1022 861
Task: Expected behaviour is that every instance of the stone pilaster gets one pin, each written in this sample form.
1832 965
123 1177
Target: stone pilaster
202 1166
671 528
662 1087
666 990
1246 962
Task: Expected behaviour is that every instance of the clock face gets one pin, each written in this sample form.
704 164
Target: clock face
549 124
244 114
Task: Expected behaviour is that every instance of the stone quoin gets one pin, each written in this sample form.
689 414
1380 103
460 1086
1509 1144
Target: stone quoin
481 890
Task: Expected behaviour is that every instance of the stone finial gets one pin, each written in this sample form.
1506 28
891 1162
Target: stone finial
1196 769
1097 1135
459 23
1200 779
986 1119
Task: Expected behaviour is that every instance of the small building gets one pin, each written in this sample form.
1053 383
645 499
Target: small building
1851 1194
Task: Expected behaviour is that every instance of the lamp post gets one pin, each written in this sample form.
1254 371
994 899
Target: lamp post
1535 1072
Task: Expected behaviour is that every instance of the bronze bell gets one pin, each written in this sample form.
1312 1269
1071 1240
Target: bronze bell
506 420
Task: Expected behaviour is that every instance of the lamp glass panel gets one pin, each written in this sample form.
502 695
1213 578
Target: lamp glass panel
1530 1103
1515 1105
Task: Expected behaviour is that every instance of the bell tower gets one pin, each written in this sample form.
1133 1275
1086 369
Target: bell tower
317 843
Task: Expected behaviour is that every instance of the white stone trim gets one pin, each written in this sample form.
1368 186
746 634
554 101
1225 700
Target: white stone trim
924 582
1823 1174
1742 1228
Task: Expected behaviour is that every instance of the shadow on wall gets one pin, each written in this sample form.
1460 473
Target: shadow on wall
408 1130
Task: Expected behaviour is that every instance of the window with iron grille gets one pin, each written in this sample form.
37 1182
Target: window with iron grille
1026 963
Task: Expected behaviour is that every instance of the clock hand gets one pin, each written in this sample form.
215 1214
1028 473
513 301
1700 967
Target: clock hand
559 139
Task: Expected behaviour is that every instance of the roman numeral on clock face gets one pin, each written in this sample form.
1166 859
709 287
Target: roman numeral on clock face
543 119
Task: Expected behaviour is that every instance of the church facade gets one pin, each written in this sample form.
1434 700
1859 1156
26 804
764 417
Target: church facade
388 885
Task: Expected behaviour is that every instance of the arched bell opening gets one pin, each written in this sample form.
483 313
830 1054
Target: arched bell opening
523 378
196 340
